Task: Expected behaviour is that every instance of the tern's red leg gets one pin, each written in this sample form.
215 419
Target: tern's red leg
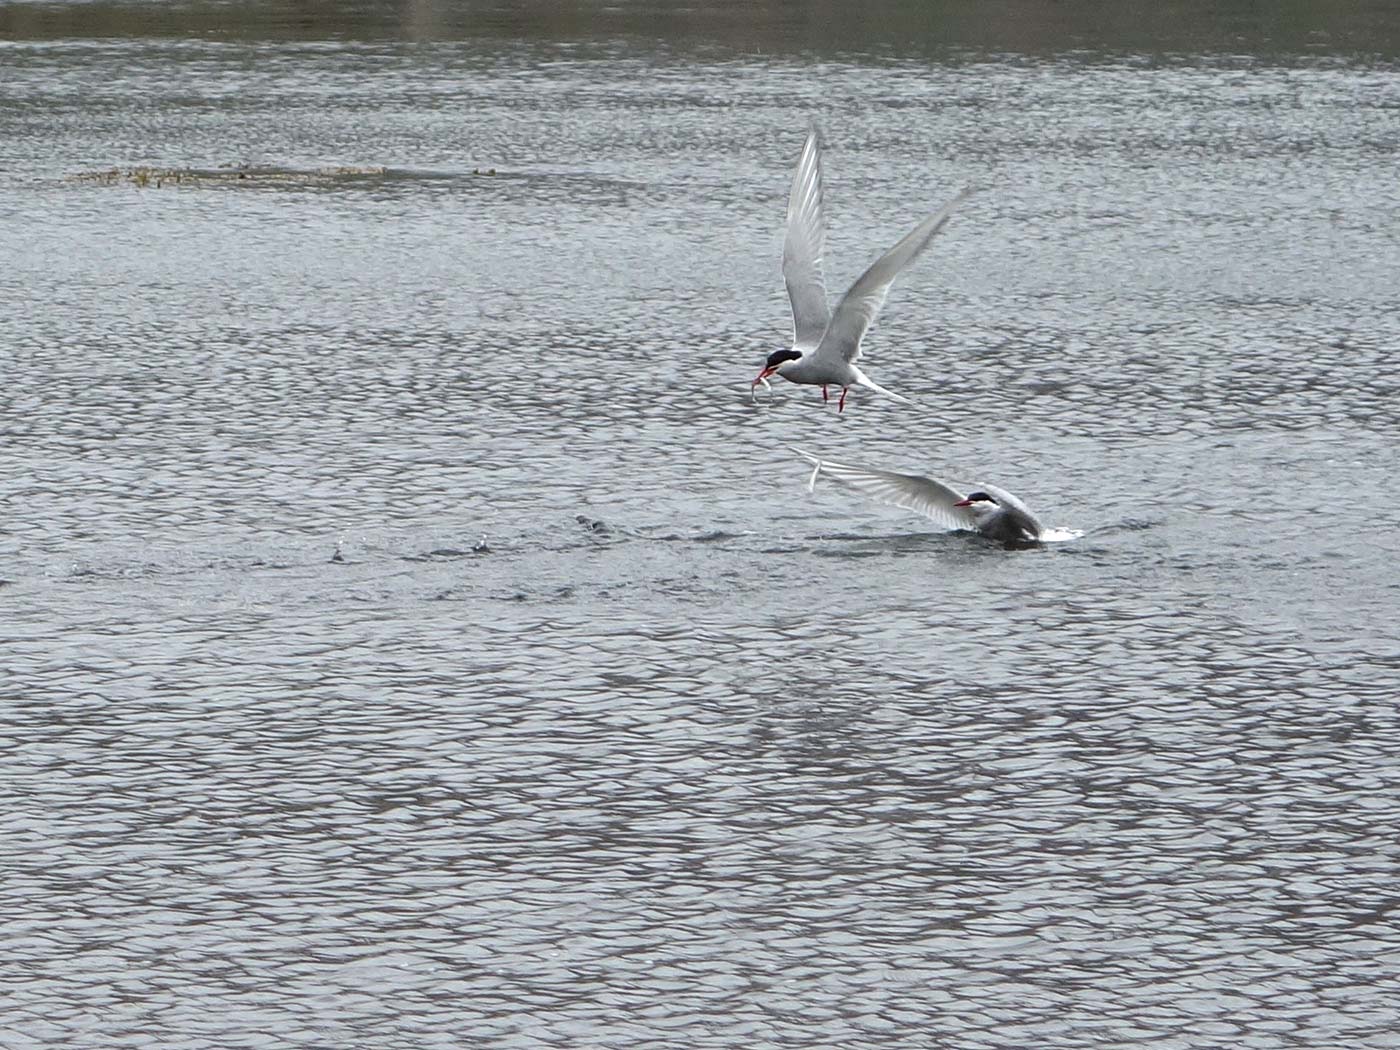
841 405
824 397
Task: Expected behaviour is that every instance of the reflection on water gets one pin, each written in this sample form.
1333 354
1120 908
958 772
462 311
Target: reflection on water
415 637
1028 27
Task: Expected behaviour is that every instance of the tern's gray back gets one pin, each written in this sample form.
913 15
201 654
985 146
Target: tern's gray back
1018 515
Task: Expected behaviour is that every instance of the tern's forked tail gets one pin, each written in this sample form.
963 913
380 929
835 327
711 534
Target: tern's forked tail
816 467
864 380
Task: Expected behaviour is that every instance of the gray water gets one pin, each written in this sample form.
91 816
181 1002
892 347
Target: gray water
415 637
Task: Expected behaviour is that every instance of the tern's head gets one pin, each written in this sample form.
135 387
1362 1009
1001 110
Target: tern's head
775 363
976 497
981 505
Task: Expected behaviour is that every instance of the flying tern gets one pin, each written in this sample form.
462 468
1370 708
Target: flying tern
826 344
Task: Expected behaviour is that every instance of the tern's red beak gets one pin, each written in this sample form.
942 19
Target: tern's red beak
963 503
763 375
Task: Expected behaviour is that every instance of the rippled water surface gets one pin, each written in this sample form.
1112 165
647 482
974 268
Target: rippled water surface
414 636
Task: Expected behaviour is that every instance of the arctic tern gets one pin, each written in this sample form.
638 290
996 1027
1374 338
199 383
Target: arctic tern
987 509
826 344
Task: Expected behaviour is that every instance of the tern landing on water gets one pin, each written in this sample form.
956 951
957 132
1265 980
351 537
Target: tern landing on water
987 509
826 345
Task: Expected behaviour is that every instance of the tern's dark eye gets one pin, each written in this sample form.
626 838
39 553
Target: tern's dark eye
981 497
777 357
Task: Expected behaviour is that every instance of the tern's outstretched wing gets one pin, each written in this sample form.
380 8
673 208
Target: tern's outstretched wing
933 499
861 304
803 248
1019 512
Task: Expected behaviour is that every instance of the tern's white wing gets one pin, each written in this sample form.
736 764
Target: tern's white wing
1020 513
925 496
803 248
860 305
